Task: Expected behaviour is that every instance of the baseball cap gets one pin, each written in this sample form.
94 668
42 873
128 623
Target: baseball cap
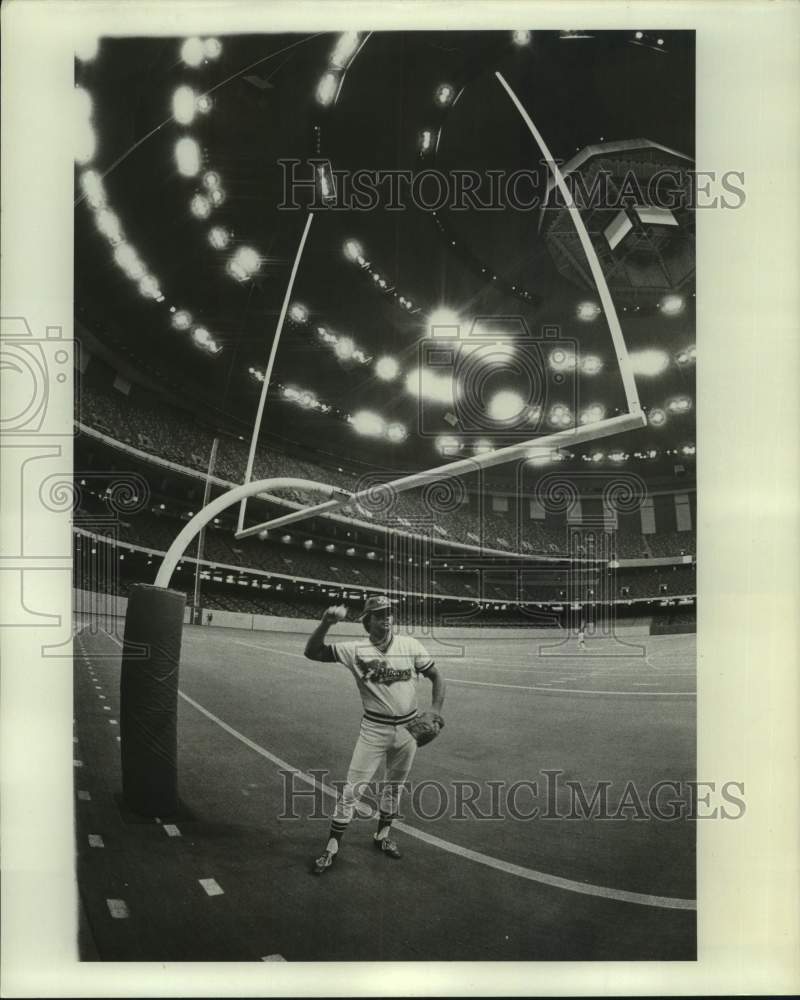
377 602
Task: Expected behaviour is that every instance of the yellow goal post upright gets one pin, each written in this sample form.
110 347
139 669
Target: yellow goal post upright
154 617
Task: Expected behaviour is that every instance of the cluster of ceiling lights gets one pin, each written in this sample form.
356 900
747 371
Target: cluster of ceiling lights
648 41
657 416
618 455
344 51
564 359
370 424
106 220
245 262
344 347
196 52
354 252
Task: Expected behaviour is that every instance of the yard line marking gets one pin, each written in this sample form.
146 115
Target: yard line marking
95 840
530 874
118 908
273 958
84 796
541 687
171 830
270 649
211 886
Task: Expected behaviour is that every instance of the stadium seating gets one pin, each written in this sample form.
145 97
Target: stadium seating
157 429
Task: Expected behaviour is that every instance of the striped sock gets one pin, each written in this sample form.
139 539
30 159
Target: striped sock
384 825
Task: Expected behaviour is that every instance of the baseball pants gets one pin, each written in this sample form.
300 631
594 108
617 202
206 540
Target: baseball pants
377 744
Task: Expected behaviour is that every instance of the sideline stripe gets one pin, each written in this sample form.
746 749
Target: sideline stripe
530 874
618 694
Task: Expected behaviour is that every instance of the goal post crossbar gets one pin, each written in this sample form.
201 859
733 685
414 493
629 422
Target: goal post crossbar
526 450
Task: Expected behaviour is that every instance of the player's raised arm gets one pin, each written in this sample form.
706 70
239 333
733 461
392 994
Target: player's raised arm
316 647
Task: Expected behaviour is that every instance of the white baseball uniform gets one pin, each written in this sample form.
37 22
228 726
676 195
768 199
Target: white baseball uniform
387 682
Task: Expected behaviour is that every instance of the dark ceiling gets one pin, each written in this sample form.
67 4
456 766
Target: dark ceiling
264 110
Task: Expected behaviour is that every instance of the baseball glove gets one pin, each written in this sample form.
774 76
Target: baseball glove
425 727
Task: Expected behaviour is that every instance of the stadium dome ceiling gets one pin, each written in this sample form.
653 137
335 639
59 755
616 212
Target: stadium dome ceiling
368 280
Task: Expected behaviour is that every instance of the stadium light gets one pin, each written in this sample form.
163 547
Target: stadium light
562 360
353 250
200 207
308 543
92 186
396 433
183 105
85 138
448 445
428 385
298 313
591 364
204 104
327 88
127 258
148 287
425 140
219 237
181 320
216 197
505 405
593 413
588 311
243 264
344 349
187 156
368 424
649 362
672 305
345 48
443 317
211 179
521 37
444 95
657 417
559 416
679 404
482 446
212 47
387 368
193 52
109 225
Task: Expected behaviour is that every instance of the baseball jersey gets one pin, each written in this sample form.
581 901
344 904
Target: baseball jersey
387 682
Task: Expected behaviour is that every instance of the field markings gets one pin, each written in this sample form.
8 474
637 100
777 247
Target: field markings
519 871
542 687
211 887
529 874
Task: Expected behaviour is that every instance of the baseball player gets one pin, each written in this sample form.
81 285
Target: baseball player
582 636
386 669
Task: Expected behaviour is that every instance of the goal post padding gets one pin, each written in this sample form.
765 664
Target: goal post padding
149 699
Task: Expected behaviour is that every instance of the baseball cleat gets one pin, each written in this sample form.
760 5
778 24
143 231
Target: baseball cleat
323 862
388 847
